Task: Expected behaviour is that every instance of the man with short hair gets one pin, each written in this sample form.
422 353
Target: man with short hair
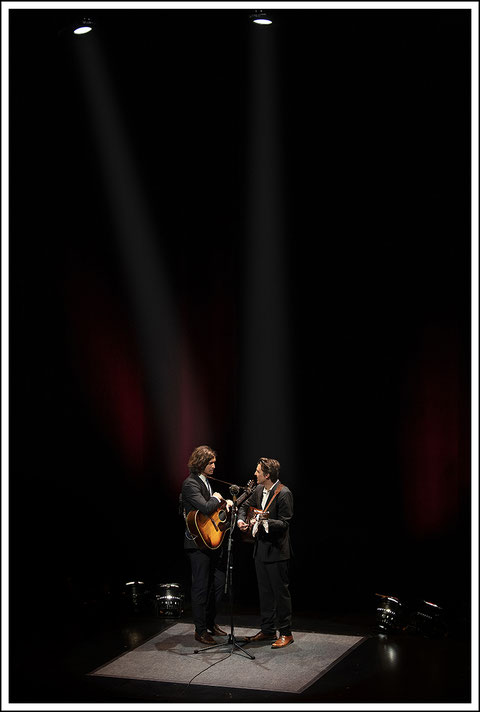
272 551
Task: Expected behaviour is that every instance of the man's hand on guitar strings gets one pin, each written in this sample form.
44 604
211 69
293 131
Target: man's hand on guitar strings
228 502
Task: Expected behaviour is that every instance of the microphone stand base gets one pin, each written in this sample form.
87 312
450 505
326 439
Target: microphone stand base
234 647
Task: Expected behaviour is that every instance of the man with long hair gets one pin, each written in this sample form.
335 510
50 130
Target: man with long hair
272 551
207 565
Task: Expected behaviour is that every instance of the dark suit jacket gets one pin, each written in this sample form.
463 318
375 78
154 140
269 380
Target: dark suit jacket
195 495
274 546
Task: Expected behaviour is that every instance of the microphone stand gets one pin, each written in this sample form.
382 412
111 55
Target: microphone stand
231 640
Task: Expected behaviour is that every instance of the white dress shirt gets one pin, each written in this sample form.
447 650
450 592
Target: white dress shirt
263 522
207 484
266 494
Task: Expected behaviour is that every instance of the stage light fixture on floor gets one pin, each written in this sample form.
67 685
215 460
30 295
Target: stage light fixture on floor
260 18
429 620
169 598
83 27
134 592
391 614
424 617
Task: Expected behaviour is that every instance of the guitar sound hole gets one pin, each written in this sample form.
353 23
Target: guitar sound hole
222 515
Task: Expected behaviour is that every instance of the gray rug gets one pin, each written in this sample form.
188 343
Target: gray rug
170 657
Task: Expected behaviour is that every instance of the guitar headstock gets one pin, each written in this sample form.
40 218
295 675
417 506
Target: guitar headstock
247 492
251 484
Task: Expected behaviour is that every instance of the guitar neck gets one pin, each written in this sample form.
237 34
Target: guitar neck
242 498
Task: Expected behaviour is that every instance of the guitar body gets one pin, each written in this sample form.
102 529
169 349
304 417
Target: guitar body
208 530
252 513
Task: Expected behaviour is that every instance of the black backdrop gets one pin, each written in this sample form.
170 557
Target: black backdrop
375 124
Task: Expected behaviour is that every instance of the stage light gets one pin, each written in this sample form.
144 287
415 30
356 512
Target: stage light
86 25
424 618
169 599
391 614
260 18
135 594
429 620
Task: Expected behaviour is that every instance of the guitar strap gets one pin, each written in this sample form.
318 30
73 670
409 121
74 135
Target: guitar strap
260 511
277 491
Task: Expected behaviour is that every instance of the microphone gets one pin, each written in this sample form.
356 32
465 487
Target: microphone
234 490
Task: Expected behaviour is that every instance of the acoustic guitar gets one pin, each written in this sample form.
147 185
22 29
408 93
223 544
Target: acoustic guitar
208 530
257 515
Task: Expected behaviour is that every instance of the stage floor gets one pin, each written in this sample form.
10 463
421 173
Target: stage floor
51 659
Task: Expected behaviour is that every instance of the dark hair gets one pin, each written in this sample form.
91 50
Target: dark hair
270 467
200 458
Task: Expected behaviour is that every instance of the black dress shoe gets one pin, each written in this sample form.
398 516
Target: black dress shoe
205 638
260 637
216 630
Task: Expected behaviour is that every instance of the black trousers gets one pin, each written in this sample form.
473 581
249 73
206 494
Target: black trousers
208 581
274 592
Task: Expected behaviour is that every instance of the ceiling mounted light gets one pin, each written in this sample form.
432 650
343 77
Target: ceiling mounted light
260 18
81 28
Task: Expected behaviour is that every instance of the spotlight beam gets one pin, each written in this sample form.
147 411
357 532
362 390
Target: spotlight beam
266 396
138 242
